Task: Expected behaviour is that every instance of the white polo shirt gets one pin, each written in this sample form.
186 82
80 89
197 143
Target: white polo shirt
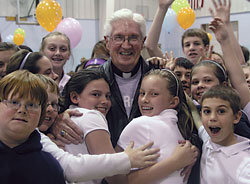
225 165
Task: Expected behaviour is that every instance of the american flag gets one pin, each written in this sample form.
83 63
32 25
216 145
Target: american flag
196 4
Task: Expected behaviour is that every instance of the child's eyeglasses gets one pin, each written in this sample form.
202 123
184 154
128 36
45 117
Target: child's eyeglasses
15 105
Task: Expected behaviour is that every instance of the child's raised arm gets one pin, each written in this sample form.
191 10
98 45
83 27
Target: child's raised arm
155 29
224 35
222 11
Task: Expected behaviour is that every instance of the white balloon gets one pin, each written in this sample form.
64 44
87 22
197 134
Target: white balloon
170 20
9 38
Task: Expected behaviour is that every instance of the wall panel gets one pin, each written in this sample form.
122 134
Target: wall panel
86 9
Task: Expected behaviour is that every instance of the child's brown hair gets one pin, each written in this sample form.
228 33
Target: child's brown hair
25 85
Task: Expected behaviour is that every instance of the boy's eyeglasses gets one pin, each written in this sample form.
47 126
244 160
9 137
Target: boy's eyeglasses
15 105
54 106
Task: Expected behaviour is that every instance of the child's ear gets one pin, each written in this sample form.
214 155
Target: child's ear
174 102
237 117
74 97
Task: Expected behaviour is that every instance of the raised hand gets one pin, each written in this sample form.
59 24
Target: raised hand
171 61
222 10
165 3
219 29
143 156
155 29
157 62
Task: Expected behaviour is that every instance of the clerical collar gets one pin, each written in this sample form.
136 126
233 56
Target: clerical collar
126 74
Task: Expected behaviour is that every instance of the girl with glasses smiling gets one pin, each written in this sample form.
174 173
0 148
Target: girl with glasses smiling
52 109
52 105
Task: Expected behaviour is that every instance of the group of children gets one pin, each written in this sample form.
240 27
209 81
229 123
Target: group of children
29 101
223 120
30 104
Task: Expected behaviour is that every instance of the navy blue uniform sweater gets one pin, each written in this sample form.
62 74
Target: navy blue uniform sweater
28 164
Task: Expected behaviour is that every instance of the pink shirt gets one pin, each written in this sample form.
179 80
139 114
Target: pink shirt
225 165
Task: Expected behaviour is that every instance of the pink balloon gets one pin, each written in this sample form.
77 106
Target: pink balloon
72 28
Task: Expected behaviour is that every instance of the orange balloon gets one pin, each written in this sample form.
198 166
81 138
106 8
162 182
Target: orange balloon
186 17
209 36
18 39
49 14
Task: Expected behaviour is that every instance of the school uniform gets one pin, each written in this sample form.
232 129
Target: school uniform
90 121
225 164
162 129
27 163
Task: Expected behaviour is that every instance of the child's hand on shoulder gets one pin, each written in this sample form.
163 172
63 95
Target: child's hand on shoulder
143 156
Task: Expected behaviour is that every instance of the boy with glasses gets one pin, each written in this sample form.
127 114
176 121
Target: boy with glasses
23 100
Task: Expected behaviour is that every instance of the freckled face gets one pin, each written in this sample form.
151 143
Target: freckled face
17 125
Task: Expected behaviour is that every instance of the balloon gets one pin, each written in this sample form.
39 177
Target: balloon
49 14
20 31
186 17
72 28
18 39
9 38
179 4
209 36
170 20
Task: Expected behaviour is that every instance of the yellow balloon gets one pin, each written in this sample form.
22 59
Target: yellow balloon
49 14
186 17
179 4
18 39
209 36
20 31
